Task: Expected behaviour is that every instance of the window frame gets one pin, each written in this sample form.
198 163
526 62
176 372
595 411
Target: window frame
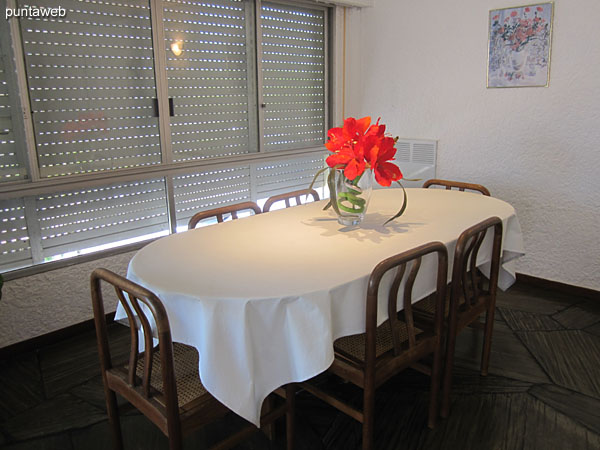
35 185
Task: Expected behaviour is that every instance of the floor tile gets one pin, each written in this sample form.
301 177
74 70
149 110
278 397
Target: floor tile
508 421
527 321
577 317
469 381
20 385
583 409
594 329
61 413
138 434
509 358
532 299
61 442
92 392
570 357
76 361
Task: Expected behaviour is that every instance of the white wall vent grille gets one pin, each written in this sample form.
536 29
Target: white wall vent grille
416 159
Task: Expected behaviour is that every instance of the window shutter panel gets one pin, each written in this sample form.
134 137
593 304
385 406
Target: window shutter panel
84 218
210 189
208 81
290 175
293 73
10 166
15 249
91 85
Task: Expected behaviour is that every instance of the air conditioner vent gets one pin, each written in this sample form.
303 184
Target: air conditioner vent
424 152
403 153
416 159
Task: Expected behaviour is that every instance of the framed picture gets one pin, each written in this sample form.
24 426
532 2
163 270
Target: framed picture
519 46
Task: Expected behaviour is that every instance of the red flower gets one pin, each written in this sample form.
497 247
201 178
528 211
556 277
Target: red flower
343 143
353 129
513 14
539 8
357 144
378 151
527 9
352 158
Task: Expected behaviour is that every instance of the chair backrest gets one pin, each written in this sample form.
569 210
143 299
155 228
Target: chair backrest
400 262
144 310
461 186
291 195
220 213
465 281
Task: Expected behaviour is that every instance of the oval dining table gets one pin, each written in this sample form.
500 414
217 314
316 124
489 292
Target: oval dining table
263 298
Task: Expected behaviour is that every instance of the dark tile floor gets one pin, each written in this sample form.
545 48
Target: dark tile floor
543 392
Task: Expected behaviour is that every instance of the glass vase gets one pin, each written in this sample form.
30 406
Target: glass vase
352 196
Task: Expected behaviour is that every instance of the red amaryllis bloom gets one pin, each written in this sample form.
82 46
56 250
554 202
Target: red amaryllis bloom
347 135
378 153
352 157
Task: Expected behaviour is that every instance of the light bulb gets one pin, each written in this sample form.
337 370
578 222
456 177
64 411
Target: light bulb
177 48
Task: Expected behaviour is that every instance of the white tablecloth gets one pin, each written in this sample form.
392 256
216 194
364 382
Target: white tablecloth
263 298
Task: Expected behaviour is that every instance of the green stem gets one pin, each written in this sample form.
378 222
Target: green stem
357 204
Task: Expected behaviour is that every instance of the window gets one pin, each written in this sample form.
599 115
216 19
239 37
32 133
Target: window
136 117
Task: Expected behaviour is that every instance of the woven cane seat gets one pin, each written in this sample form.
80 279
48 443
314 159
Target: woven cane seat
187 379
354 346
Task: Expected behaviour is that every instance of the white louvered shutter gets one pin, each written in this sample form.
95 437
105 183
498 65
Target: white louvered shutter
209 82
288 175
208 190
15 248
11 168
293 76
91 86
251 182
85 218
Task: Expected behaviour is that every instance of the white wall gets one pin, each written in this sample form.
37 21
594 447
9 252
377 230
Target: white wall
421 66
42 303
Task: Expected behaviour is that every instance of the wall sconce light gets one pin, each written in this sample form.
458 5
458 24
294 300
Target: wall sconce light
177 47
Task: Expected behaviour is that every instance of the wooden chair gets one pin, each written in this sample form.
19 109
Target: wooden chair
220 213
369 359
458 185
288 196
469 297
162 382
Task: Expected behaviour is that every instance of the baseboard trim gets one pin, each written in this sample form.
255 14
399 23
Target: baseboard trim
50 338
563 288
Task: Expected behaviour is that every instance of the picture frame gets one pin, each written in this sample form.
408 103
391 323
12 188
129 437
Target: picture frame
519 46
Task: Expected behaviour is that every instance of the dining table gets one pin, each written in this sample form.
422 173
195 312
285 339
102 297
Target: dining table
264 297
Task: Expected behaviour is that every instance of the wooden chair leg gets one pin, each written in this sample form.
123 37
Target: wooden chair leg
290 427
368 417
113 419
447 382
435 386
487 337
267 407
175 436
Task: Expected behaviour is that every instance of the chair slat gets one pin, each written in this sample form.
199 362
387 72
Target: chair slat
461 186
221 212
297 195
